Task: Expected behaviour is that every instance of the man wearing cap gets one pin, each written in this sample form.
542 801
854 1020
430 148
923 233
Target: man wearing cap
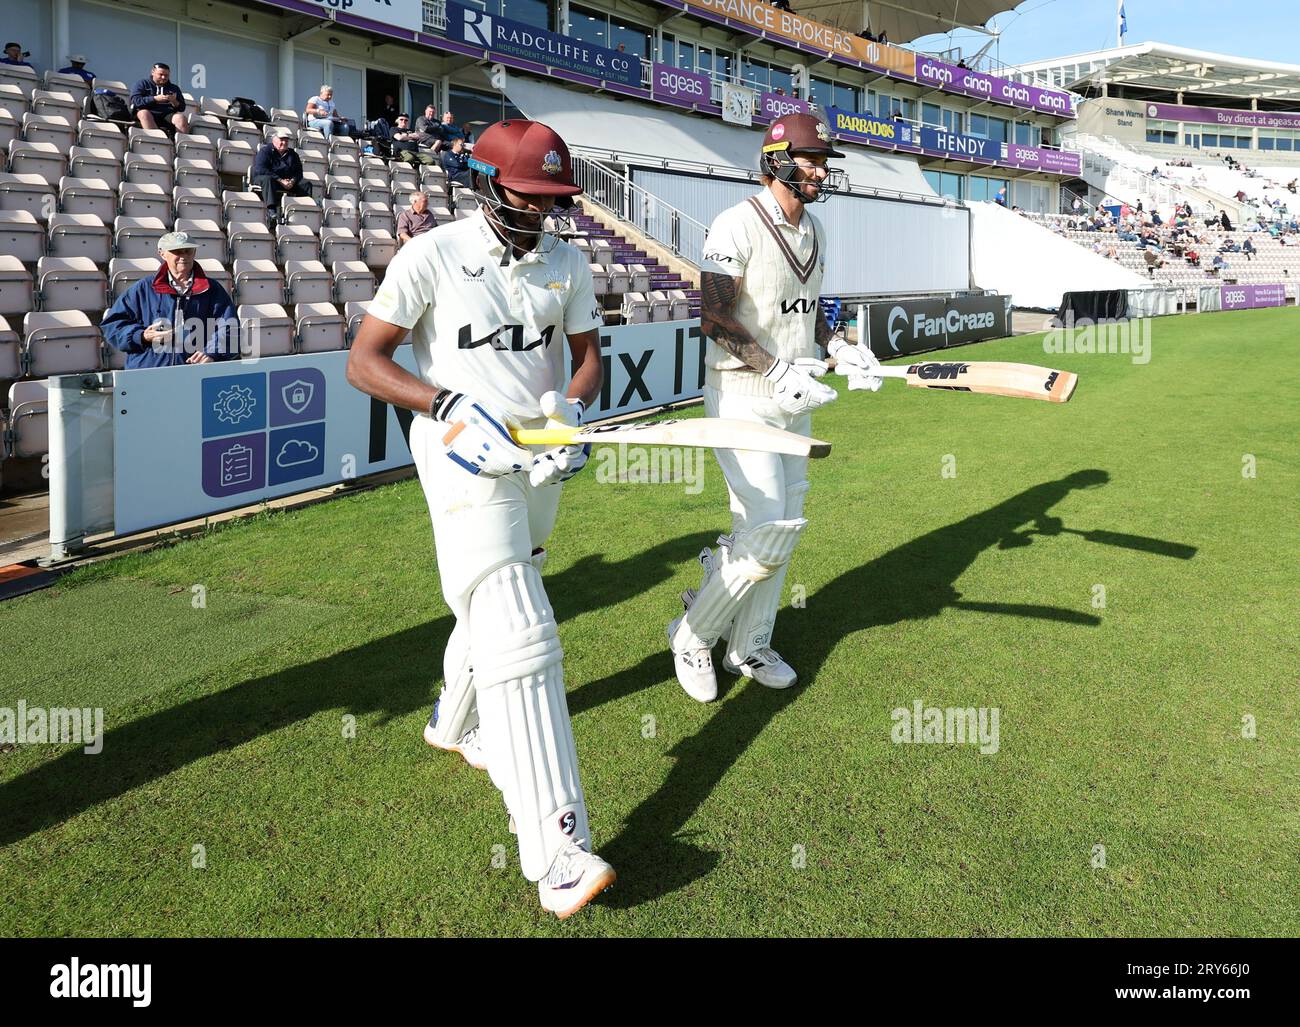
488 302
760 281
16 55
77 66
406 143
277 171
179 316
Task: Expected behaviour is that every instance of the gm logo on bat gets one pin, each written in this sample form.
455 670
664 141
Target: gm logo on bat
937 371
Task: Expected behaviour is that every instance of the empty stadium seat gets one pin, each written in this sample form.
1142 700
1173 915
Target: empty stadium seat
287 118
196 174
17 290
258 282
124 272
70 283
61 342
353 281
29 419
375 167
680 305
242 206
635 308
266 327
148 168
136 200
25 78
660 306
80 235
378 215
10 356
343 146
339 244
619 279
600 280
463 200
102 135
21 236
95 162
296 242
44 159
150 141
235 156
209 128
10 130
314 164
340 215
13 100
374 191
74 85
302 212
312 142
250 240
31 193
137 237
320 328
244 132
638 278
307 281
219 273
191 146
602 252
197 204
87 196
378 247
355 312
42 128
215 107
342 188
208 236
53 103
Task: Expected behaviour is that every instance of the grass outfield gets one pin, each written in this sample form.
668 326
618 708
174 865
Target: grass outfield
784 813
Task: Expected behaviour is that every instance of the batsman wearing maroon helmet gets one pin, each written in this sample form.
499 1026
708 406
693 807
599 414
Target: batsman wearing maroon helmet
488 303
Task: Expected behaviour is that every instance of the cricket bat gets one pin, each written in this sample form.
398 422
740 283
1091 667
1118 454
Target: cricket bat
709 432
1022 381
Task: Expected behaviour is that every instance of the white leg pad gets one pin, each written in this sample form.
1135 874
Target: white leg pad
752 628
457 707
523 715
756 556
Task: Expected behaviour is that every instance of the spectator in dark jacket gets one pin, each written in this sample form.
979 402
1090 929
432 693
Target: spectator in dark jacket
77 66
16 55
427 127
179 316
406 144
157 102
1224 222
456 163
448 131
277 170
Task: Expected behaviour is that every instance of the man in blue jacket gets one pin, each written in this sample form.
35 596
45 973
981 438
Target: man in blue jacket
157 102
77 66
179 316
277 170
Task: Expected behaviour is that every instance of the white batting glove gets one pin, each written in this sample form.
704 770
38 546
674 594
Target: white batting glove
857 362
478 439
812 367
563 462
795 390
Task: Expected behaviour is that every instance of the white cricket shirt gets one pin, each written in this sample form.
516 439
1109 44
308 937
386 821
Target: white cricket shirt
495 332
781 267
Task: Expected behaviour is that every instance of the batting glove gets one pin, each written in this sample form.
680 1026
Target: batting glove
857 362
477 438
795 390
563 462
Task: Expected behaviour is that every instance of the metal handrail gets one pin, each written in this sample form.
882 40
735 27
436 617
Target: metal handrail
647 213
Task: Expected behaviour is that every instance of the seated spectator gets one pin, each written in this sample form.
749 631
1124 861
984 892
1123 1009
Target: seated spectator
963 65
179 316
1219 264
1194 258
1001 198
415 220
277 171
389 111
456 163
1153 259
406 144
427 127
883 37
1224 222
1291 185
322 114
866 34
448 132
16 55
1248 248
157 102
77 66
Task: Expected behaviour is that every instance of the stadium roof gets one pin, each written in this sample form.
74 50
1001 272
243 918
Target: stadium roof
904 20
1172 68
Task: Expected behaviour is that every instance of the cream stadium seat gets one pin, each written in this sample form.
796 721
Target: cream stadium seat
599 279
307 281
680 303
44 159
343 189
250 240
602 252
638 278
287 118
242 206
87 196
42 128
17 290
296 242
302 212
191 146
148 168
374 191
209 237
61 342
218 272
21 236
70 283
355 312
124 272
55 103
25 78
10 131
196 174
215 107
210 128
266 328
244 131
313 142
343 146
320 328
137 237
10 355
339 244
378 216
403 180
136 200
353 281
341 215
31 193
635 308
80 235
258 282
13 100
193 204
29 419
150 141
619 279
314 164
661 306
102 135
378 247
235 157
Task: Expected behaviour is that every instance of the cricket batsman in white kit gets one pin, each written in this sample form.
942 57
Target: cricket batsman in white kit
760 283
487 301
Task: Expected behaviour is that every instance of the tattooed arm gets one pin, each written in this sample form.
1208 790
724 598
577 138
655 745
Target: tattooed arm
718 321
823 333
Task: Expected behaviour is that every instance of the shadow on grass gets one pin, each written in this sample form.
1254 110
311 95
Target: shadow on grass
912 582
391 676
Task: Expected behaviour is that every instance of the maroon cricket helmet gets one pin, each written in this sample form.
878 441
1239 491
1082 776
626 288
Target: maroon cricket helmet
525 157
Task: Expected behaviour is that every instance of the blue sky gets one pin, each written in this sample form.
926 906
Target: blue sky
1039 29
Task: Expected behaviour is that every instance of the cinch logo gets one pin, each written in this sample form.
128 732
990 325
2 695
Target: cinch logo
1054 102
799 306
977 84
674 82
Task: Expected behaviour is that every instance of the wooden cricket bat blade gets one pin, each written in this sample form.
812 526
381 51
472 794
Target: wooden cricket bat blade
709 432
1021 381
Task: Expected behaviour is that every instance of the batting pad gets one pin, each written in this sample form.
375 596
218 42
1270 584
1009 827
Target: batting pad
523 716
752 628
457 709
756 556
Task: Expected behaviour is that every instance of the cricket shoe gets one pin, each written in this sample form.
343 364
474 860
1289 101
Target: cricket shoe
765 666
575 878
694 669
467 745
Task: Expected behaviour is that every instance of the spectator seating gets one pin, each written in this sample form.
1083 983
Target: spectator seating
320 327
61 342
267 327
22 236
87 196
146 201
70 283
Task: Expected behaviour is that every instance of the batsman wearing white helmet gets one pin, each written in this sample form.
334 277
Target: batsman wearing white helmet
486 301
761 279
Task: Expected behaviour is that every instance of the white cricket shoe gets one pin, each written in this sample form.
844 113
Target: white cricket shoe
467 745
694 669
575 878
766 667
